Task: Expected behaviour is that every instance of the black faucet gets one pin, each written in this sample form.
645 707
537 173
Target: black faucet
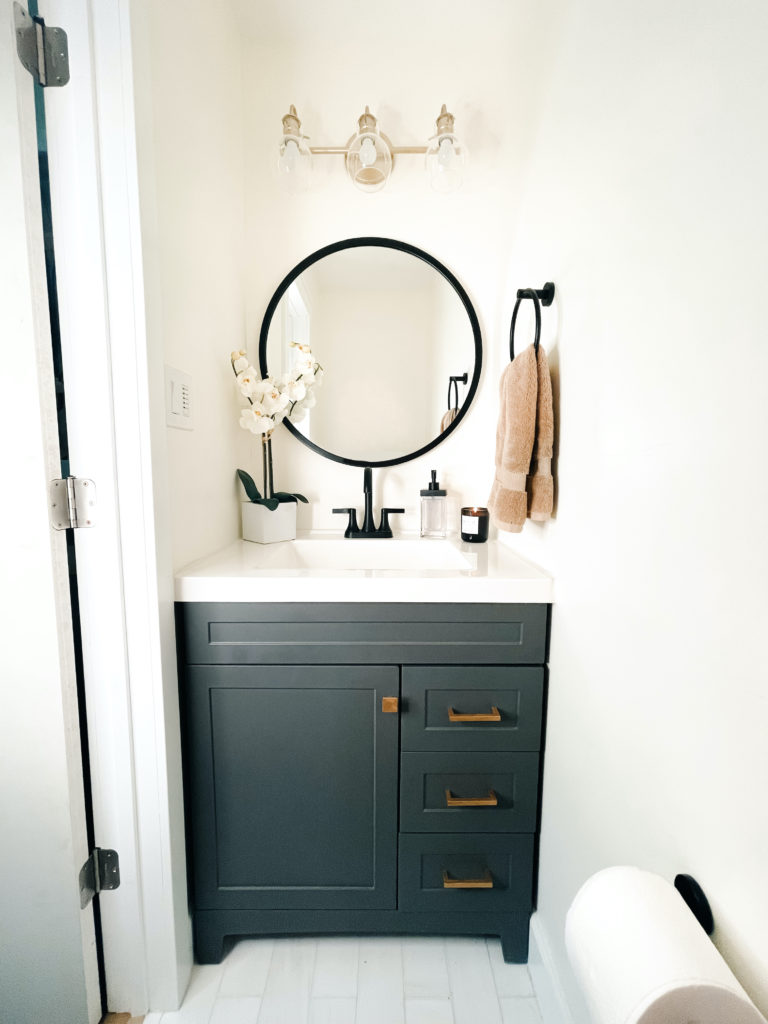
368 529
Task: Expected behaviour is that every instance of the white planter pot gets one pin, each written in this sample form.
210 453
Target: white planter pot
265 527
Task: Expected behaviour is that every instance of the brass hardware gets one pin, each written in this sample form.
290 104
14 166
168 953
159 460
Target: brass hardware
456 716
373 174
486 882
390 705
471 801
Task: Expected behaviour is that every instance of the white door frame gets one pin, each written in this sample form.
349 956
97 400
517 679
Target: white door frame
113 384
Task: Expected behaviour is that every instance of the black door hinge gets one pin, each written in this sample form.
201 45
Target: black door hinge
101 871
42 50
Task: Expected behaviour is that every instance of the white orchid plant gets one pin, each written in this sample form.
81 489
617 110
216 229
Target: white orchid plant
271 400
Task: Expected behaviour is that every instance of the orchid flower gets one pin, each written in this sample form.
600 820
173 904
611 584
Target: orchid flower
248 381
256 420
239 361
270 401
295 390
276 403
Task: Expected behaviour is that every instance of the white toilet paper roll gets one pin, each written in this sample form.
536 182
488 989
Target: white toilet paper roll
642 958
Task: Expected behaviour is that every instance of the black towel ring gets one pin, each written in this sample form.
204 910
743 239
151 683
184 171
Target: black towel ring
541 297
453 383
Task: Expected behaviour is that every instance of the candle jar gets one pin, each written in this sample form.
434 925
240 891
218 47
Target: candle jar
474 524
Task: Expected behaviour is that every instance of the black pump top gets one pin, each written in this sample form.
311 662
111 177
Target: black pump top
433 490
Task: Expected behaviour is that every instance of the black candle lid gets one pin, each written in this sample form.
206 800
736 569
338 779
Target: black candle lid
433 490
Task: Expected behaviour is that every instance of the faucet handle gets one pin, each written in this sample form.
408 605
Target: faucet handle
352 527
385 530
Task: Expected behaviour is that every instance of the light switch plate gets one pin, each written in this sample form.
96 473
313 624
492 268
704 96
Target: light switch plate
178 399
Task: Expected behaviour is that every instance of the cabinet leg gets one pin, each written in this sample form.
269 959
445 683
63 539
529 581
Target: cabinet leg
209 944
514 946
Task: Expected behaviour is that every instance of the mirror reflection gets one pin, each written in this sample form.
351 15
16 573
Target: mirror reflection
389 329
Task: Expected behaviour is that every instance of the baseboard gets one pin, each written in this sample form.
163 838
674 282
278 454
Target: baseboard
545 978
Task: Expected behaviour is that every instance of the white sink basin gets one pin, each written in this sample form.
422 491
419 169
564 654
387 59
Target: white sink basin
366 555
326 567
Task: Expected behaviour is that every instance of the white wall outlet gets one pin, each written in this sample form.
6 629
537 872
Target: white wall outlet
178 399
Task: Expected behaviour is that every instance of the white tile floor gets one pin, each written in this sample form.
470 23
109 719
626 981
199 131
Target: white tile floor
359 981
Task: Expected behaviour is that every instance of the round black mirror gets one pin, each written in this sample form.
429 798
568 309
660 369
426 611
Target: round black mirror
398 340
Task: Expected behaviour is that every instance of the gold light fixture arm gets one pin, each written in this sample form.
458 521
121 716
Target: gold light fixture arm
342 150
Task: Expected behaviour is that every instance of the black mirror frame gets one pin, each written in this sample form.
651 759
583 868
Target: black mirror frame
384 243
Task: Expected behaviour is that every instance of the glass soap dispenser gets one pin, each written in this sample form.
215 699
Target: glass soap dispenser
433 509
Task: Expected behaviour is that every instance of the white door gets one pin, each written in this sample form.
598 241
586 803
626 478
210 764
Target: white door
128 646
48 968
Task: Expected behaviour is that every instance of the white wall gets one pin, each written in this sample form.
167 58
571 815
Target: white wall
646 204
192 180
189 125
323 59
621 152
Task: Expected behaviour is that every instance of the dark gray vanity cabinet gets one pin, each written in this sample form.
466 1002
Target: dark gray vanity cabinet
362 768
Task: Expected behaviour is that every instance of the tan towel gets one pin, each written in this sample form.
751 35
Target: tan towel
539 484
448 419
518 391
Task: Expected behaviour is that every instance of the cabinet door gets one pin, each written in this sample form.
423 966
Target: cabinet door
292 786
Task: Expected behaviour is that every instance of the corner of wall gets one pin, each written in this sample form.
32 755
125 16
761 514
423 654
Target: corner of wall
542 968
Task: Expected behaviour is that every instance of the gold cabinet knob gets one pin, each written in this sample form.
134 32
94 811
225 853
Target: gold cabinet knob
390 705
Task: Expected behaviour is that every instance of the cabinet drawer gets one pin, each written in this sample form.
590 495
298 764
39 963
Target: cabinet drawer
472 707
422 634
430 867
468 792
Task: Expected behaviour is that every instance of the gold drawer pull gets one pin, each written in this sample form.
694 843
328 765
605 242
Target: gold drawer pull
456 716
486 882
471 801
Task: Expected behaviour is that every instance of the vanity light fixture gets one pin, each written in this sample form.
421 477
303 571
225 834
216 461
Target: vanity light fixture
294 158
369 155
446 156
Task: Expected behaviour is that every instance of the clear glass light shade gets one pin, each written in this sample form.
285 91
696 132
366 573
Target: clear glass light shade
369 161
294 164
445 161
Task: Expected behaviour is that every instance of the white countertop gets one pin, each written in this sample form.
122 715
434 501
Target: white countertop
325 567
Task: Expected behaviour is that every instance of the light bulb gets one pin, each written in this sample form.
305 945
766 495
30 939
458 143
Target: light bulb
289 157
446 156
369 155
367 152
294 164
294 159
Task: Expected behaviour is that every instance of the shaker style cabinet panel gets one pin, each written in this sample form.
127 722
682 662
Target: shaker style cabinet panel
315 805
459 872
293 786
468 792
388 634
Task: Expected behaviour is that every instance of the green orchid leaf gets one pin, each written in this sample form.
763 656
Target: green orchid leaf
271 503
284 496
250 487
